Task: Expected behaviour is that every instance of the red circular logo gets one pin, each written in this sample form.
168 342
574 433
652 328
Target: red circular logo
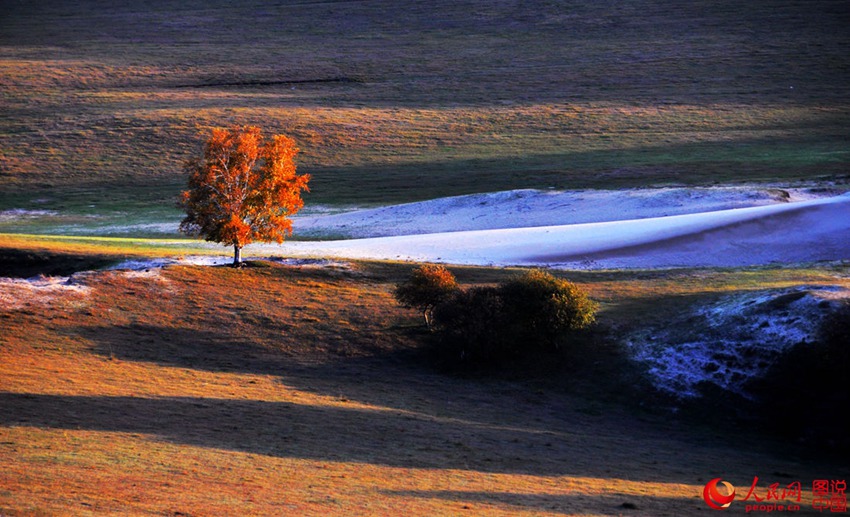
714 498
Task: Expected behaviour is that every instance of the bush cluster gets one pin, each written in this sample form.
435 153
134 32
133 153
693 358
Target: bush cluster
529 314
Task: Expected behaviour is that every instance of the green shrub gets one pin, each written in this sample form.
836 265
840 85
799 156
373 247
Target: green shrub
428 286
523 317
542 308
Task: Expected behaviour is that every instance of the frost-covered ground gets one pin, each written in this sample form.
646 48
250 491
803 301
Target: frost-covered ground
531 208
156 263
728 342
206 260
648 228
17 214
590 229
17 293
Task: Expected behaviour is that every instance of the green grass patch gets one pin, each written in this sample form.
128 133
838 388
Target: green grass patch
106 248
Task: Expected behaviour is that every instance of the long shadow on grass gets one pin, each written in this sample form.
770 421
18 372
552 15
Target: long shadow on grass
24 264
332 433
423 419
381 372
276 348
216 350
571 504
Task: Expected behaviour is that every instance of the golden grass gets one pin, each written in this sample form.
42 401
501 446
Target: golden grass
174 479
641 298
158 130
439 99
279 390
117 247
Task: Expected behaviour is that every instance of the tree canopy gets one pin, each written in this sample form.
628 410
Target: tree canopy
428 286
243 189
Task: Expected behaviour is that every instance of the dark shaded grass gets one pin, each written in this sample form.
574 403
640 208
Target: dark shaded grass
533 440
560 504
101 107
26 263
698 164
450 52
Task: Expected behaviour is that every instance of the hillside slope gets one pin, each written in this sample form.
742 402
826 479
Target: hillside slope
277 389
103 102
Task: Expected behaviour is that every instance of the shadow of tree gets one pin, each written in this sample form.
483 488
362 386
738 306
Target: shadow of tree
388 437
569 504
210 350
277 349
427 420
283 429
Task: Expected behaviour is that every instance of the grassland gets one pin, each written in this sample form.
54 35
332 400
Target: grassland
276 390
103 103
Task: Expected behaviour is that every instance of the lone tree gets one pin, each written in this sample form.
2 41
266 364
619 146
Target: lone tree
243 189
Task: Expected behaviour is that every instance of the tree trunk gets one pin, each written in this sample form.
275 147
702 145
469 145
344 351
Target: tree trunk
237 255
428 312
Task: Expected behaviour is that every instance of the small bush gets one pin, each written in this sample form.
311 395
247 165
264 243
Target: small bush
543 307
428 286
523 317
470 327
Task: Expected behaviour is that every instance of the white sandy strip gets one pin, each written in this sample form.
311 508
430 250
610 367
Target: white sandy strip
649 242
529 208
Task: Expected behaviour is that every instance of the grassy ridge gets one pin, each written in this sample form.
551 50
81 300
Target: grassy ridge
287 390
395 104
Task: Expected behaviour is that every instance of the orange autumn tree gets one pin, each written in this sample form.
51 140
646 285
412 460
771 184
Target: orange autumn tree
243 189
